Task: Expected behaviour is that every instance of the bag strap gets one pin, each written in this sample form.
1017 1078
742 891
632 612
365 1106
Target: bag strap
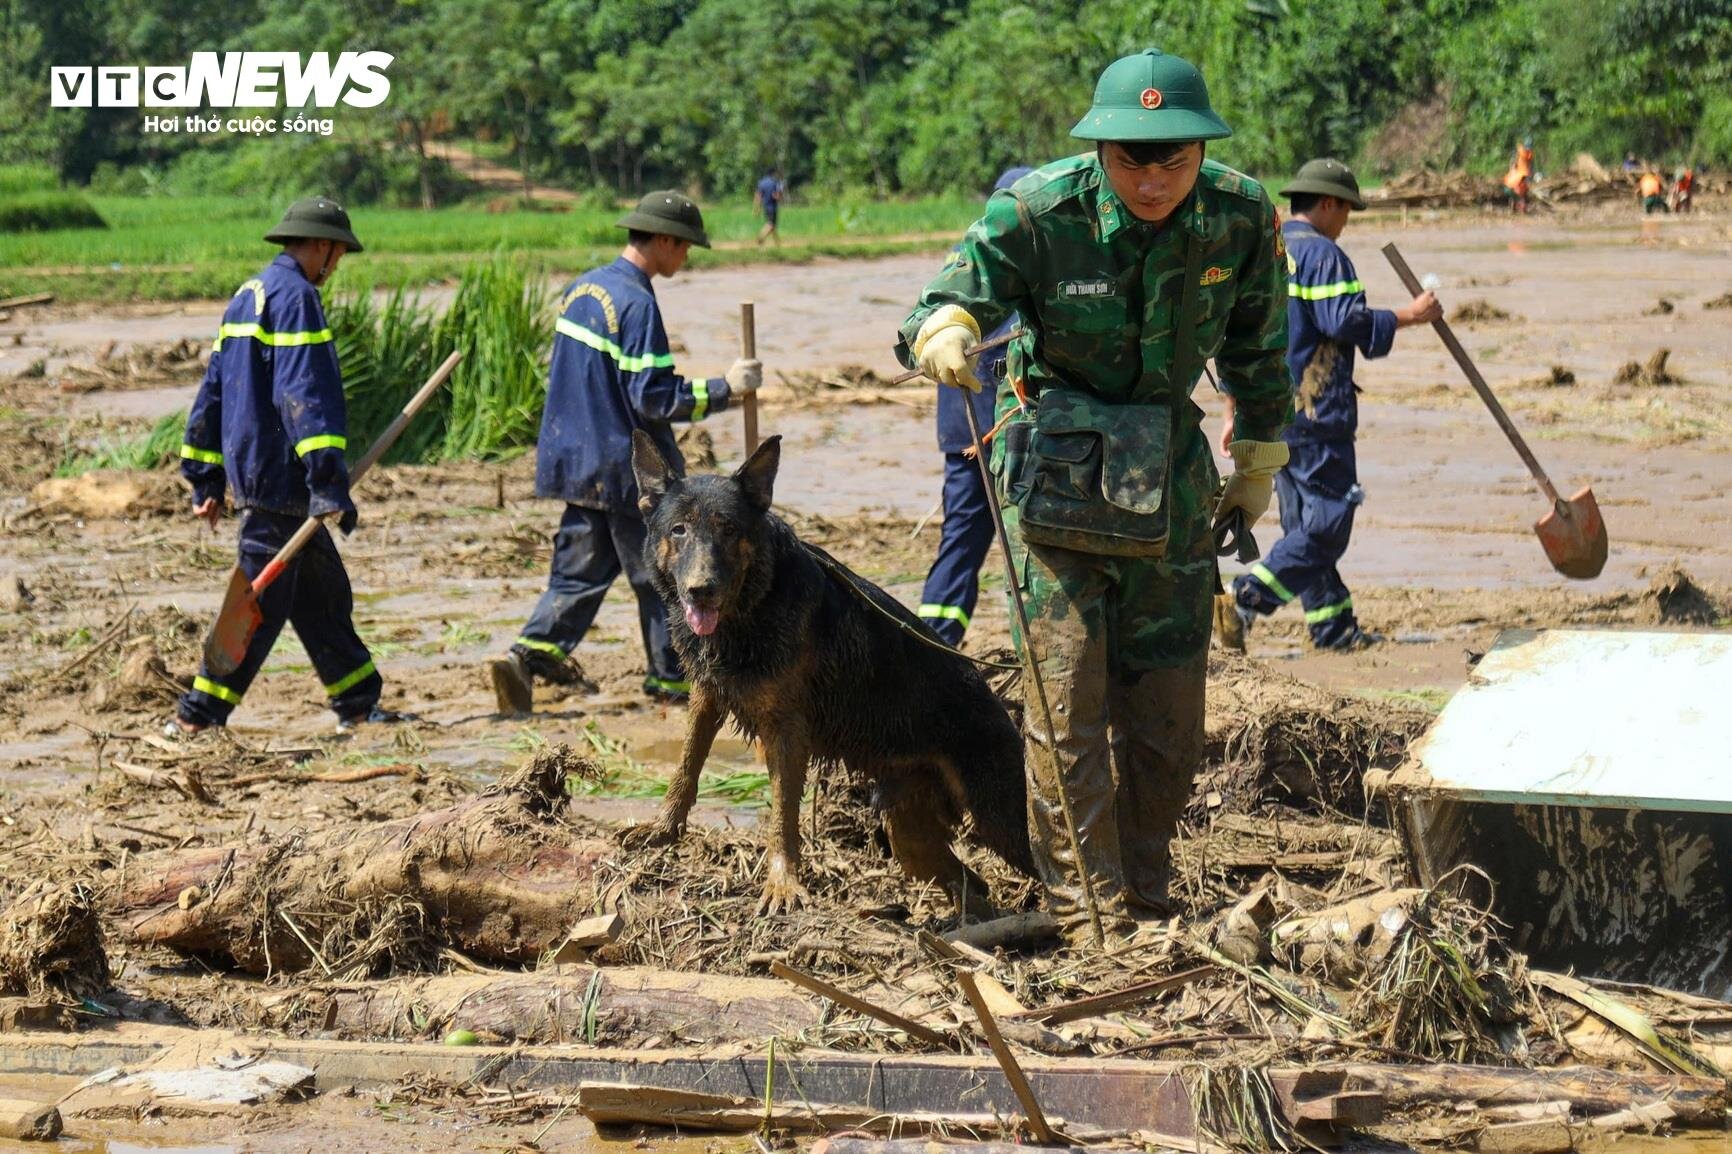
1184 372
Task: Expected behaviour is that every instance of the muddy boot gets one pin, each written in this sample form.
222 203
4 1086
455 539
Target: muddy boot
1157 746
513 686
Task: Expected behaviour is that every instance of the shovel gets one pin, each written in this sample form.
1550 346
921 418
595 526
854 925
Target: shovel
1572 533
225 646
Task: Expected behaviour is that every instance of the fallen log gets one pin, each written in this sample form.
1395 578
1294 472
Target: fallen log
611 1005
500 877
1694 1101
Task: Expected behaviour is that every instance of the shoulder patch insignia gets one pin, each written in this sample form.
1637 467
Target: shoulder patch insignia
1085 288
1280 237
1214 275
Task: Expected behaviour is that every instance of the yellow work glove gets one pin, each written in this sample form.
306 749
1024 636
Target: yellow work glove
942 344
1253 481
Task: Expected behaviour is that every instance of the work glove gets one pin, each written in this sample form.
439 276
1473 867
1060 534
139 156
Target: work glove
745 376
1252 484
942 345
348 521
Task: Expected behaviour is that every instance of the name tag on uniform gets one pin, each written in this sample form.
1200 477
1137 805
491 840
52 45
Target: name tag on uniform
1086 288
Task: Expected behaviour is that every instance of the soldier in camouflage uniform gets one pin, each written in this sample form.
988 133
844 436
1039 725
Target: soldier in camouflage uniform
1095 253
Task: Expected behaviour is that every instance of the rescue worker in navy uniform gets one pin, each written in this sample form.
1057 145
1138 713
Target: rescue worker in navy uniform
611 373
953 583
1327 321
270 425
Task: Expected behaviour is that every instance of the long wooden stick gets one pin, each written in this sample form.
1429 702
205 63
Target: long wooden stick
1006 1060
749 350
860 1006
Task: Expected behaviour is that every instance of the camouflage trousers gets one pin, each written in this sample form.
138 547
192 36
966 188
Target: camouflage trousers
1122 645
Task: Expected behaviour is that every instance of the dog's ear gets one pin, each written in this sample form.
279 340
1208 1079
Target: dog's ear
654 478
758 475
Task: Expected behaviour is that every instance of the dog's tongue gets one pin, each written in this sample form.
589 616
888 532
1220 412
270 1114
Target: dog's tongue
702 621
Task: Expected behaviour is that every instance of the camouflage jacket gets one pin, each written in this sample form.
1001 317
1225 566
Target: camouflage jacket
1100 291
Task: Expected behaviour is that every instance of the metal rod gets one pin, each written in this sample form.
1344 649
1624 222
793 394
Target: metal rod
1031 664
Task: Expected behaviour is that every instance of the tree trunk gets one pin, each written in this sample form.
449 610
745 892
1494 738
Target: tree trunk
499 877
613 1005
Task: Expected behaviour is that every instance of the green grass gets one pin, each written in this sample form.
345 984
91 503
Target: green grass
149 451
623 776
19 178
47 212
201 247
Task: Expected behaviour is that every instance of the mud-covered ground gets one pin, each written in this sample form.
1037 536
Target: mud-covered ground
100 615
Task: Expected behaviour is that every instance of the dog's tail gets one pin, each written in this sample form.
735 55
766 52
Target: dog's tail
997 794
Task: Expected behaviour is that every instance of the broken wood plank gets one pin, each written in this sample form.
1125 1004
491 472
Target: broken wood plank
27 301
861 1006
616 1103
1650 1118
850 1144
1114 1000
1037 1123
589 934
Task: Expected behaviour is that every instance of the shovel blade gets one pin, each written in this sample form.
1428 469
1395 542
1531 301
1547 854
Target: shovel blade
1574 536
225 646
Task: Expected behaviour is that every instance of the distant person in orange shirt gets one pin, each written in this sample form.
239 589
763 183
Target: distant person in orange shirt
1652 191
1518 181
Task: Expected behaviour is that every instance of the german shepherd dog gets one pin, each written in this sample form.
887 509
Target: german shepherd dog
819 665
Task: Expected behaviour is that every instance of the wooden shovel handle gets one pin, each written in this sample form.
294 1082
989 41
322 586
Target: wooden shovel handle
274 568
749 350
1474 378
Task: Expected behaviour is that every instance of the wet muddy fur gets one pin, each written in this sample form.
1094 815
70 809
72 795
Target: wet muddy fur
804 665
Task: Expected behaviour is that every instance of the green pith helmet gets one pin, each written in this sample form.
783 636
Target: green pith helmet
1325 177
1151 97
314 218
670 214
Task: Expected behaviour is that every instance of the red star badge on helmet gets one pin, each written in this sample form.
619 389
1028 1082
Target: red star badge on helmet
1151 98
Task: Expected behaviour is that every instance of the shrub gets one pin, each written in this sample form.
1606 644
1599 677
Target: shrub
47 212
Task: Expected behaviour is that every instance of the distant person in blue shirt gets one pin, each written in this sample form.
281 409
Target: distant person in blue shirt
768 198
953 584
612 373
1328 322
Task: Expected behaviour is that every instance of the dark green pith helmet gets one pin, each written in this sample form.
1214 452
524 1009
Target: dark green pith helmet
1151 97
669 214
1326 178
314 218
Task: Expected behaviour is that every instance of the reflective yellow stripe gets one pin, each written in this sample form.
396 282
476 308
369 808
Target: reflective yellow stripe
601 344
351 681
543 646
1261 573
1313 616
700 399
1322 292
322 441
205 455
946 612
221 692
278 340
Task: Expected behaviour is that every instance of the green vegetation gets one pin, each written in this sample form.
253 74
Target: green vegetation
47 212
152 450
624 776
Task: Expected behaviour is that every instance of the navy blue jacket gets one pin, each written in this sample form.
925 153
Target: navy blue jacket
269 419
1326 304
612 373
953 434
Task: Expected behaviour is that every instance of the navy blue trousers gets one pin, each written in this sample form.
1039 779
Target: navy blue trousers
591 549
953 584
1318 490
314 596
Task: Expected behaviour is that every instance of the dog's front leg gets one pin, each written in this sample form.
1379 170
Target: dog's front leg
787 754
703 721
